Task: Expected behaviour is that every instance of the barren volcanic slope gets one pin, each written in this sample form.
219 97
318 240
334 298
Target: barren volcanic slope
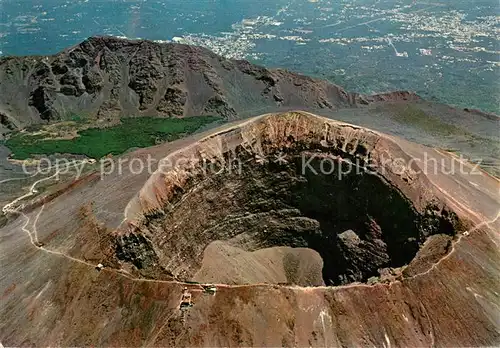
412 256
107 77
104 79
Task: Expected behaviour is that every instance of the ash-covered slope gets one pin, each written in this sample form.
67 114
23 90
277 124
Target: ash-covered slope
440 227
109 77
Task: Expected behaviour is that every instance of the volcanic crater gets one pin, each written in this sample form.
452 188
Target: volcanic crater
291 199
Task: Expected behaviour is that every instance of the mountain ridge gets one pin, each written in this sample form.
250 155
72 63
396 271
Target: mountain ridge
108 77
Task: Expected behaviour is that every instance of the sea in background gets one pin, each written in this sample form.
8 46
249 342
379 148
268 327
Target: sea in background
445 50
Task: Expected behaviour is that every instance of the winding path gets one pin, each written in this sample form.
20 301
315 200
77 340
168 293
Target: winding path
10 208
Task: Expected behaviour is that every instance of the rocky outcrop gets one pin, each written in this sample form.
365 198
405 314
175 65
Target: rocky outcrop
6 122
173 102
217 105
110 77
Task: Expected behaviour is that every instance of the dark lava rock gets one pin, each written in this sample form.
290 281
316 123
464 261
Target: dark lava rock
59 69
92 81
69 90
42 100
173 102
6 122
217 105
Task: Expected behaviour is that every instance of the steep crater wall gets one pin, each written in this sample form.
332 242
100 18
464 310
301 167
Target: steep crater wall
289 198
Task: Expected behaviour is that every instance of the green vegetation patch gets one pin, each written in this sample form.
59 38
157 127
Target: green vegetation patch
414 116
99 142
